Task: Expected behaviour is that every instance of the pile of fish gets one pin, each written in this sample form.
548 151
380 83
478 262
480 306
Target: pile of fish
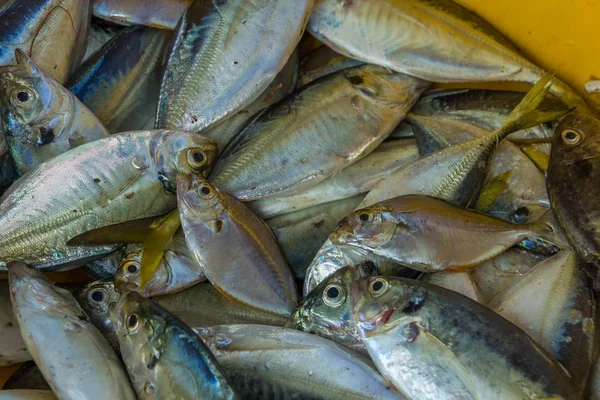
272 214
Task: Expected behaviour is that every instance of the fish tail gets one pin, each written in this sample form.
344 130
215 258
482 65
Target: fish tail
528 112
547 229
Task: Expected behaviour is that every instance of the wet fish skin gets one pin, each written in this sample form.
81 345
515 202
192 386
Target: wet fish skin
355 179
316 132
39 117
52 32
321 62
555 305
433 343
80 364
177 271
430 235
329 313
100 34
12 347
219 63
301 234
571 178
162 353
459 282
164 14
121 82
105 267
26 395
94 298
272 362
214 223
109 181
414 37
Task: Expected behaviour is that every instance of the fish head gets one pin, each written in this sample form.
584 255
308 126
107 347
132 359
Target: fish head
200 203
375 84
128 277
576 142
175 152
326 310
381 303
369 228
29 101
30 289
95 299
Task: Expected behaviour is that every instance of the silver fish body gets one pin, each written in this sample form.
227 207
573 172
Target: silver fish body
316 132
164 357
432 343
164 14
109 181
100 34
26 394
351 181
271 362
80 364
52 32
321 62
39 117
120 83
219 62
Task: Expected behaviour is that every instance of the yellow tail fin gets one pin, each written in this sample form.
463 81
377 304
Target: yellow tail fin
154 233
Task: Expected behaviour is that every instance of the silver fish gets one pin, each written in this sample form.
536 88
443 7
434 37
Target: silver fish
39 117
80 364
12 346
219 63
321 62
106 182
164 14
26 394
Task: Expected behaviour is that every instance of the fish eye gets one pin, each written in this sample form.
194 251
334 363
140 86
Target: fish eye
378 287
334 295
206 191
196 158
131 267
98 296
133 323
22 98
570 137
521 215
365 216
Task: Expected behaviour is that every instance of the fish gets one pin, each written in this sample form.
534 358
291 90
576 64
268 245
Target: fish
355 179
165 359
435 40
12 346
100 34
199 305
433 343
105 267
513 189
456 173
52 32
498 274
109 181
300 234
316 132
272 362
554 304
327 310
321 62
120 83
284 84
459 282
94 299
218 63
27 376
26 395
214 223
39 117
163 14
429 235
80 364
572 172
177 270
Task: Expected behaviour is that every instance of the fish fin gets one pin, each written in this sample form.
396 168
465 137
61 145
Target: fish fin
539 158
547 229
527 113
491 190
154 233
24 60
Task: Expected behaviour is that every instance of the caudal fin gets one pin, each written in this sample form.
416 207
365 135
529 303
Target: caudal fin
528 113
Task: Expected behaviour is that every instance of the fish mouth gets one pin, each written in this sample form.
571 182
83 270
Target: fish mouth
184 185
19 270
